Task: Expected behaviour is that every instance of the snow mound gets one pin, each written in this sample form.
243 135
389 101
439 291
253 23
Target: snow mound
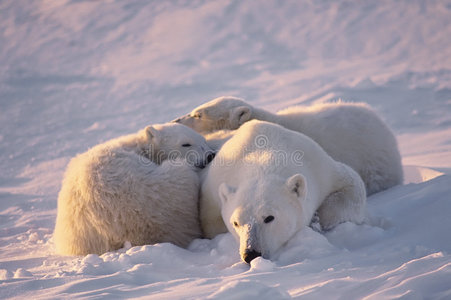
248 289
413 174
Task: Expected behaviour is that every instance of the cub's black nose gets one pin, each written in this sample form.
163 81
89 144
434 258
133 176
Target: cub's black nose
210 157
249 255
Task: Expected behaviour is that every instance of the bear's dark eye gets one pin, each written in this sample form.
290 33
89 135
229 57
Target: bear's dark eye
235 224
186 145
268 219
197 115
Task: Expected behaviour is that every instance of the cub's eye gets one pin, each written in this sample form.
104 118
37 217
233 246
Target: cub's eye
186 145
197 115
268 219
235 224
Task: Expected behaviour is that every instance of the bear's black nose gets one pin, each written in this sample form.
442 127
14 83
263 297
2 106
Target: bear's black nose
249 255
210 157
176 120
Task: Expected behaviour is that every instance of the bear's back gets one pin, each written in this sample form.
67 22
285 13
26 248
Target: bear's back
260 147
258 135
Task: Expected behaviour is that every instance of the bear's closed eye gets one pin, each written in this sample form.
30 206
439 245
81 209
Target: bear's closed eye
268 219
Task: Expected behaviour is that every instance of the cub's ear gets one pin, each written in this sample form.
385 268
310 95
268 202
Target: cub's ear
225 191
297 185
240 115
152 133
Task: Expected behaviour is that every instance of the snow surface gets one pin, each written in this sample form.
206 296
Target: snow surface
76 73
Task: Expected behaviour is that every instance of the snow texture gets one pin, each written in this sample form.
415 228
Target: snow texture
77 73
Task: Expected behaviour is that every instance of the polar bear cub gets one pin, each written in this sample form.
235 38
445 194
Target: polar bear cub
267 182
351 133
140 188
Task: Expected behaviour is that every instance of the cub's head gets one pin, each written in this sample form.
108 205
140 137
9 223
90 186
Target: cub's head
171 140
220 113
263 214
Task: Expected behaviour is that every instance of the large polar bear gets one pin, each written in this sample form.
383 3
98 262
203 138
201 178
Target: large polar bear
351 133
135 188
267 182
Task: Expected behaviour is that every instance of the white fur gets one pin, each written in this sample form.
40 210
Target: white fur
135 188
267 170
351 133
216 139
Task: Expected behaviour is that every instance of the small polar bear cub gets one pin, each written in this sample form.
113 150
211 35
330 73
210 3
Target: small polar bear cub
141 188
351 133
267 182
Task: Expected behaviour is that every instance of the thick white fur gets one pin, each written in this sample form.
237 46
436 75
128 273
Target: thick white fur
265 169
118 191
351 133
216 139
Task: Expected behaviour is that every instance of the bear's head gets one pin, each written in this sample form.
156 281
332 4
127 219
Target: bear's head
171 141
220 113
263 214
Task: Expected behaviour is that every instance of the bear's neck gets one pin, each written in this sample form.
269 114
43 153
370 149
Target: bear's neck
263 115
145 149
152 153
297 119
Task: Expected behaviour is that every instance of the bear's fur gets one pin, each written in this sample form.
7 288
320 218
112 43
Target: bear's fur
351 133
267 182
141 188
216 139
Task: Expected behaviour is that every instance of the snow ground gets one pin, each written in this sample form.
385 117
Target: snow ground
76 73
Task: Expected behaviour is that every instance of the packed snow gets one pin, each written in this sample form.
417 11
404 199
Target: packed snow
77 73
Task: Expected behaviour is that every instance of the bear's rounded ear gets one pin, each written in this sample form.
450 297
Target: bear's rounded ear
297 184
225 191
240 115
151 133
